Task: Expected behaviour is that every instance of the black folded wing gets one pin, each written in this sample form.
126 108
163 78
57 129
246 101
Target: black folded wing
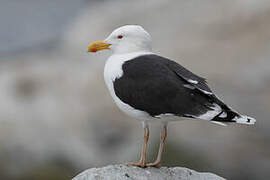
158 86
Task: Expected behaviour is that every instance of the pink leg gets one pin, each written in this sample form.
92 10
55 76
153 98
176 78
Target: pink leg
142 161
163 136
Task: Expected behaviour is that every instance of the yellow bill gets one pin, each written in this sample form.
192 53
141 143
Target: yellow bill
97 46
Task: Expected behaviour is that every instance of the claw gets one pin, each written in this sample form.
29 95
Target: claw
154 164
138 164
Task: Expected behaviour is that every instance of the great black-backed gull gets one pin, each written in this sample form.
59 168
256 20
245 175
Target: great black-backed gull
149 87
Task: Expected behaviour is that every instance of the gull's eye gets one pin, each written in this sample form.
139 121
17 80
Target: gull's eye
119 36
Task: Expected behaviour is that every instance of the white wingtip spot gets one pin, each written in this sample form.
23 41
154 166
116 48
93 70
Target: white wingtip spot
192 81
206 92
189 86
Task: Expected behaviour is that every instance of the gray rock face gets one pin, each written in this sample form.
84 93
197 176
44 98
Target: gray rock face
122 172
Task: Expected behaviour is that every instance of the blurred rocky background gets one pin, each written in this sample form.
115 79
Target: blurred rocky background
57 117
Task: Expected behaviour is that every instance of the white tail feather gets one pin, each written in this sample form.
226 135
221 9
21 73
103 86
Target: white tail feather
244 120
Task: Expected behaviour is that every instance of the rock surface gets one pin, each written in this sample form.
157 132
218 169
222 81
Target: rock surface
123 172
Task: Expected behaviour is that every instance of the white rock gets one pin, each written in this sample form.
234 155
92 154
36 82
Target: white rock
123 172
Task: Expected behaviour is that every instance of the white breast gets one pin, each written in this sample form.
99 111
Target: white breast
113 69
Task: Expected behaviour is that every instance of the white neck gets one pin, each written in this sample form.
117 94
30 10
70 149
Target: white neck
113 66
131 48
123 57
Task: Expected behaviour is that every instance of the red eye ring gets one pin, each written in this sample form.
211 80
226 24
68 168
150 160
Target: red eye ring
120 36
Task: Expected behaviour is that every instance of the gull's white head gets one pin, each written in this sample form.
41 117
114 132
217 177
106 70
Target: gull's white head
126 39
